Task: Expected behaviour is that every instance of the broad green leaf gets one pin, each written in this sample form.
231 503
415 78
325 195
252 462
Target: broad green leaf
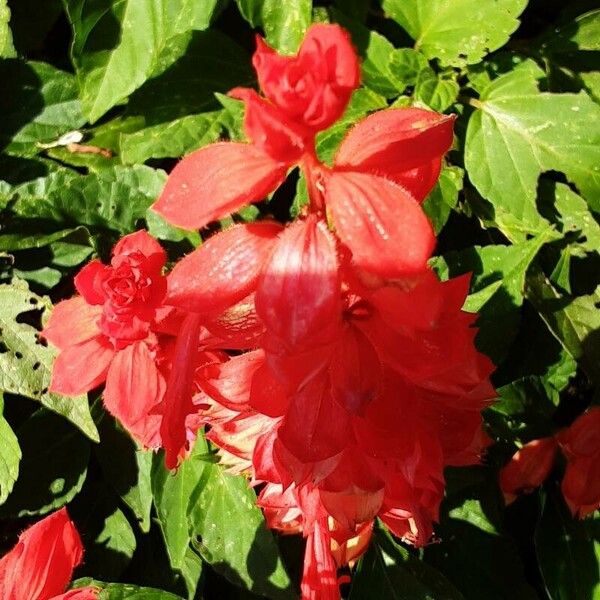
435 91
444 196
406 65
124 591
53 467
379 68
390 571
232 534
570 54
126 467
574 321
498 304
568 551
7 49
191 572
362 102
210 62
38 103
518 132
117 540
172 493
114 199
172 139
284 23
459 32
10 456
117 45
26 363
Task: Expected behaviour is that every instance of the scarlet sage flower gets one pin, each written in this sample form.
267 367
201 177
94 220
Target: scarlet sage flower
580 444
108 333
528 468
41 565
385 166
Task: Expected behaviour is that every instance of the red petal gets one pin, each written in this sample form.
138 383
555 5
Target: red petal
267 395
224 270
72 322
41 565
404 144
315 426
134 388
177 403
528 468
298 295
229 383
88 281
384 227
355 371
215 181
140 241
269 129
582 438
80 368
581 485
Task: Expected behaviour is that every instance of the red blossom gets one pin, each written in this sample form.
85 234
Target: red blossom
41 565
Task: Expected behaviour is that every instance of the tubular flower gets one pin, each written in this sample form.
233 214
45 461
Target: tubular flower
41 565
580 444
528 468
373 191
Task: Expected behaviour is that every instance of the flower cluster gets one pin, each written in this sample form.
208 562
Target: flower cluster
580 444
41 565
354 379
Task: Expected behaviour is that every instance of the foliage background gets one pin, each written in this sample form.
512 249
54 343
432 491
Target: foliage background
517 204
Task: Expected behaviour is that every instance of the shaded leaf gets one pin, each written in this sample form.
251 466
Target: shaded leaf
53 467
10 456
443 198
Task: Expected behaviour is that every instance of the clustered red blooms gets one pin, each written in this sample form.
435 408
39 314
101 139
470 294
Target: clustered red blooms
41 565
580 445
355 380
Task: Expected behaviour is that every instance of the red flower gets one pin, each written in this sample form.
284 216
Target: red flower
580 444
528 468
373 190
41 565
108 333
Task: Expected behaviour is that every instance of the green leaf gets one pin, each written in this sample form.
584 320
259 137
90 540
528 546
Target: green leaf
7 49
127 468
518 132
444 196
568 551
210 62
284 23
390 571
435 91
114 199
53 467
10 456
475 555
385 69
124 591
172 139
362 102
172 493
117 45
498 303
574 321
233 535
39 103
22 241
459 32
26 363
570 54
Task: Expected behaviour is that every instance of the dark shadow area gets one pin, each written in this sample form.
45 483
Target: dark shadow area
21 99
